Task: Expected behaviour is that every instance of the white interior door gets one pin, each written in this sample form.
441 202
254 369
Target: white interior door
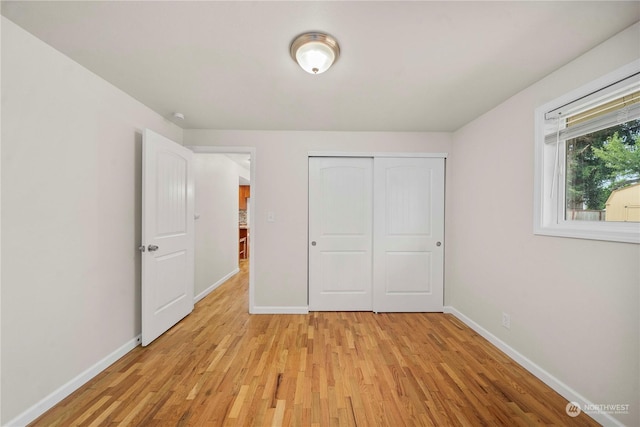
340 240
408 235
167 234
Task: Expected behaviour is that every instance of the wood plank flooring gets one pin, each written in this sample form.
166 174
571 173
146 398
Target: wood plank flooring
223 367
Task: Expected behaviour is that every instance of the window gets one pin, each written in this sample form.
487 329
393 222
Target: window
588 161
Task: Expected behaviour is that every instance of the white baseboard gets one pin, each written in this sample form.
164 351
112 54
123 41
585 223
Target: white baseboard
215 285
54 398
279 310
563 389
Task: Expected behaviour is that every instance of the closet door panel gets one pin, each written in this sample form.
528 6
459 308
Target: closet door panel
408 234
340 234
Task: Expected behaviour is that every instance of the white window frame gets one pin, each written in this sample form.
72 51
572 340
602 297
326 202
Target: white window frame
549 202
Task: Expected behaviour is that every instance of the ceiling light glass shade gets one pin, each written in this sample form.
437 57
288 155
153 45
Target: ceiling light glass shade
315 52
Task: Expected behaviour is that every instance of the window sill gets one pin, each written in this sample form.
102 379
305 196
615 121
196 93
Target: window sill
622 233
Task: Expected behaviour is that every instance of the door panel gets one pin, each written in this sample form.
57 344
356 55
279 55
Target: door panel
167 235
408 203
169 268
340 224
408 272
170 194
408 234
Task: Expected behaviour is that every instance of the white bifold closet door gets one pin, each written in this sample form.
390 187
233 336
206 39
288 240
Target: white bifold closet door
376 229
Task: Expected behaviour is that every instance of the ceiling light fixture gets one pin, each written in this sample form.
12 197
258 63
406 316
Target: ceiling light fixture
315 52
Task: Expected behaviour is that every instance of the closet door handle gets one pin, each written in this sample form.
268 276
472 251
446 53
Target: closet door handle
313 243
152 248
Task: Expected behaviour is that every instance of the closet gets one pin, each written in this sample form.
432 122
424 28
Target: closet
376 233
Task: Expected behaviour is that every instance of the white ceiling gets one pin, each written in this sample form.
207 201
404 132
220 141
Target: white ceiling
405 66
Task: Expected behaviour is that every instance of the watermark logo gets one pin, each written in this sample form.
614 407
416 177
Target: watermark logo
573 409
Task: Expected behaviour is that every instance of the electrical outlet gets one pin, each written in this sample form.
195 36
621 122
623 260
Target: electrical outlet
506 320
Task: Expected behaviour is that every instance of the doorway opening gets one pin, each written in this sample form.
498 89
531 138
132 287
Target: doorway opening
245 252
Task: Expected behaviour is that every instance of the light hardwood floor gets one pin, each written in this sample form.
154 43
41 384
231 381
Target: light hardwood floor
223 367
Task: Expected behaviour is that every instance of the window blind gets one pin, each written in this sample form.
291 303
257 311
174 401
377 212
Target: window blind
600 122
614 105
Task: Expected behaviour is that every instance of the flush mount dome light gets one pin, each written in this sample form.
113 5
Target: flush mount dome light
315 52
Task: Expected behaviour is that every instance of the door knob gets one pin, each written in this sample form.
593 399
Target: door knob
313 243
152 248
437 244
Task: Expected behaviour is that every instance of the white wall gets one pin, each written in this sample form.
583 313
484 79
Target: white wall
279 249
216 203
71 156
573 303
